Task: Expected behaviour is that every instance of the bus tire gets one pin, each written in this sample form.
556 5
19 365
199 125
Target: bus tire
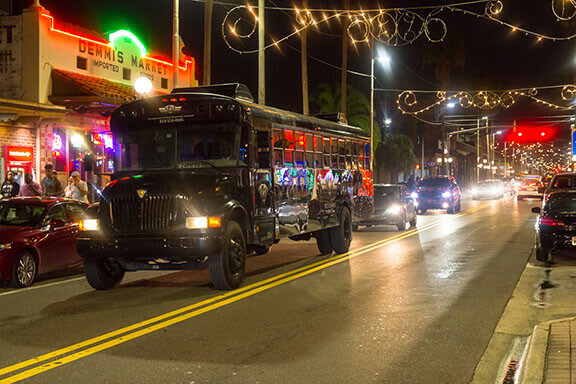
261 249
323 241
341 236
227 268
103 275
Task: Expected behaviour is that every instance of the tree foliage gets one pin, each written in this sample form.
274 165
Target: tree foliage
326 99
445 57
395 153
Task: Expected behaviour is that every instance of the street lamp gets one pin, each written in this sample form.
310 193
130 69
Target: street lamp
385 59
143 86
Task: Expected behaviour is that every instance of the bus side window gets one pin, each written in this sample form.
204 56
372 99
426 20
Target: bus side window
310 144
263 142
342 159
299 147
354 145
326 148
289 148
366 156
278 142
317 151
334 142
349 145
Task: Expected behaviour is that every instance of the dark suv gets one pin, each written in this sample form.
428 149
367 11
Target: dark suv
440 192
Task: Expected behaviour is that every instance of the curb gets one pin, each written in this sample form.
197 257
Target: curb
533 362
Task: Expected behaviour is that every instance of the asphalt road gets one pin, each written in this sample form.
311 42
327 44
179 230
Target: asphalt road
413 307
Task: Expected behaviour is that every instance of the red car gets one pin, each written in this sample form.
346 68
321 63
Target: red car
37 235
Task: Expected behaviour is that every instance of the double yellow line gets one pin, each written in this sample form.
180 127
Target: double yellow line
88 347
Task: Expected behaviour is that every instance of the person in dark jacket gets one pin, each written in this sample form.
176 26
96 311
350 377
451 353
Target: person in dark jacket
10 188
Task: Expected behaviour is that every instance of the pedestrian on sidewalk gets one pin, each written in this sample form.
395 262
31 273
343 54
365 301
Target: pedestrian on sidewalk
51 186
10 188
30 187
77 188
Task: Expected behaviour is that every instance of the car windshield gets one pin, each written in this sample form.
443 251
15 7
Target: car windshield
23 215
391 192
562 204
435 183
564 181
184 148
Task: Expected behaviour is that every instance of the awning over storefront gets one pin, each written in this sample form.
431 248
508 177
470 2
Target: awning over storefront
76 91
14 109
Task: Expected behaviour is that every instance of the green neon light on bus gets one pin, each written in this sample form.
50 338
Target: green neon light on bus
127 34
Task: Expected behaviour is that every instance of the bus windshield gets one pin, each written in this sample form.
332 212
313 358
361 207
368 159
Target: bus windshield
191 147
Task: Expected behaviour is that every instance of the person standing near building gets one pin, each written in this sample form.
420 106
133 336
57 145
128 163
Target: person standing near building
10 188
50 184
30 187
77 189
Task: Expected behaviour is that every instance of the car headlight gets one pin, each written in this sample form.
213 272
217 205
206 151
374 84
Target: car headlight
394 210
5 246
474 191
203 222
414 195
446 194
89 225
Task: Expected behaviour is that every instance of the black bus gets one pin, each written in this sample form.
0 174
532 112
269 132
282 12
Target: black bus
204 178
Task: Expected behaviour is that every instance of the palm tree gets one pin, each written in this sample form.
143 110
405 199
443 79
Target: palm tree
394 154
327 99
445 57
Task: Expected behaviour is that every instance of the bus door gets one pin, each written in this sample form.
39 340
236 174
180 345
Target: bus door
265 218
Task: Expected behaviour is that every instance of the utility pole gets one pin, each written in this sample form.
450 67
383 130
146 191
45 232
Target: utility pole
488 152
478 162
443 132
344 75
304 57
175 43
207 41
261 54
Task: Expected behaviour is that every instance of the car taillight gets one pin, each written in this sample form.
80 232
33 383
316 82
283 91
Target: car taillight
551 222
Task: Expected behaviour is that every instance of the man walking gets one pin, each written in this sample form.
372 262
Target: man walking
10 188
50 184
30 187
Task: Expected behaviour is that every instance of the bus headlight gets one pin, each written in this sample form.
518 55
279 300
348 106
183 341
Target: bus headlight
203 222
89 225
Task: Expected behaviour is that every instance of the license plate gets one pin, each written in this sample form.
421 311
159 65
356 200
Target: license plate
574 241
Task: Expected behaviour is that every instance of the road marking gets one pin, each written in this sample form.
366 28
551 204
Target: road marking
20 290
199 308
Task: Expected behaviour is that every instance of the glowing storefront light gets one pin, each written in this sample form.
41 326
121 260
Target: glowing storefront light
143 85
76 140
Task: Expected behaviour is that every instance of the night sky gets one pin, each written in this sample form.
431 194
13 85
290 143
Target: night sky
495 58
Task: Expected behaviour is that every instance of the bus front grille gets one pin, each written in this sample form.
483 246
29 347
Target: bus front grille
151 213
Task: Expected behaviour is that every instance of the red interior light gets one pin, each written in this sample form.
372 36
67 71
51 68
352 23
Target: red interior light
165 100
173 99
551 222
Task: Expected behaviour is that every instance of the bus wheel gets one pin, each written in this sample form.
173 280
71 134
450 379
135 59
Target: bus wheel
102 274
341 236
355 227
323 241
228 267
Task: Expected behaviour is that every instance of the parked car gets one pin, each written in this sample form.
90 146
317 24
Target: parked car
37 235
530 189
556 225
393 205
488 189
560 182
440 192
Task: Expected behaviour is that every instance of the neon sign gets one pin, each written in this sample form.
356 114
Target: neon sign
19 153
56 145
124 34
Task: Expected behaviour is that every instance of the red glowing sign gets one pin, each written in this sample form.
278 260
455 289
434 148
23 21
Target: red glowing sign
531 134
19 153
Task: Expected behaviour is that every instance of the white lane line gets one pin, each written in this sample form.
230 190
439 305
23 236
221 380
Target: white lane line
22 290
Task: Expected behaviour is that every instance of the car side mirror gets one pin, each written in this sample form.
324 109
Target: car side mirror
536 210
541 189
56 223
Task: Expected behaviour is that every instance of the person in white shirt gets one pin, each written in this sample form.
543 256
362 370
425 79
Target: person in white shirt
77 189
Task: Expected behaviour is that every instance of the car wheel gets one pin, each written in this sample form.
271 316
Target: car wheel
423 211
401 226
459 206
450 210
341 236
542 254
355 227
24 270
414 221
261 249
227 269
103 274
474 197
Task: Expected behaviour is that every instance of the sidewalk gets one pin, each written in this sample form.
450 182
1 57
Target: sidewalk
535 339
551 354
